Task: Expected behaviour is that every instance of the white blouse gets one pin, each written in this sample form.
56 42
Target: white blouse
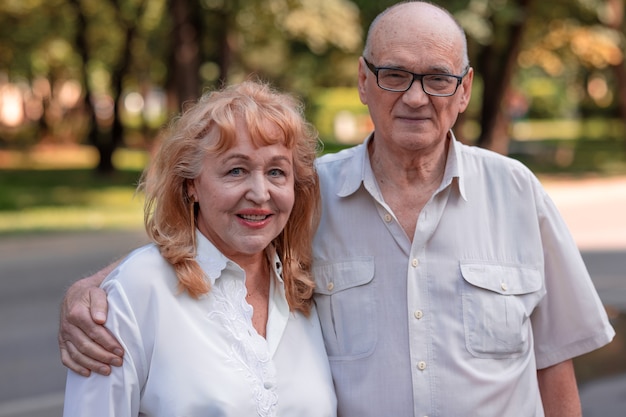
200 358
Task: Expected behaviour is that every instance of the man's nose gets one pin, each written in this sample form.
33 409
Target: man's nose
415 95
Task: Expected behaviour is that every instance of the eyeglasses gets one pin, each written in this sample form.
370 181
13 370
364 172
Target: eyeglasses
398 80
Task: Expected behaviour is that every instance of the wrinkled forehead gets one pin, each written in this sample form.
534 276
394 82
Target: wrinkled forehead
419 27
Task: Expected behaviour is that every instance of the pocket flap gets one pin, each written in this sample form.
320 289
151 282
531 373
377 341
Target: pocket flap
502 279
331 278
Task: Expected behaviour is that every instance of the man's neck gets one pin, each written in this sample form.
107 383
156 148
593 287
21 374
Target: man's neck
408 169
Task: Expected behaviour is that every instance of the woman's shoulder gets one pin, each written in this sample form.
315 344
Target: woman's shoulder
142 271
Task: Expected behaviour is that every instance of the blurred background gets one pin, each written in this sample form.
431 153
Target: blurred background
86 86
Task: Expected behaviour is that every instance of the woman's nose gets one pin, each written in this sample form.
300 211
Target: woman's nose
258 191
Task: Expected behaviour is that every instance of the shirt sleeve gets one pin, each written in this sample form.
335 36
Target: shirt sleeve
119 393
570 320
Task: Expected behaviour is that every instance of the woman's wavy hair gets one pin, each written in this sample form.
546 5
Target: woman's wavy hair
209 126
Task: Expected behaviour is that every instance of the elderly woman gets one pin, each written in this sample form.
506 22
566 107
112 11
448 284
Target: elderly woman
215 315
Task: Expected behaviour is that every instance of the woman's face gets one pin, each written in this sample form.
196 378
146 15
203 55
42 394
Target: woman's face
245 196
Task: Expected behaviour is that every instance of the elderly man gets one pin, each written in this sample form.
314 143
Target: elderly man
447 283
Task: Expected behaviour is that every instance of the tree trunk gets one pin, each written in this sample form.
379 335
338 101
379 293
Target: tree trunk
83 52
619 70
225 49
184 78
496 65
115 135
620 77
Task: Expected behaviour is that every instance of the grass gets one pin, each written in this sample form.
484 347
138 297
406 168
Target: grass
572 157
68 199
58 190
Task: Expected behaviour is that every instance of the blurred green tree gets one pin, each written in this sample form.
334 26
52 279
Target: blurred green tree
114 47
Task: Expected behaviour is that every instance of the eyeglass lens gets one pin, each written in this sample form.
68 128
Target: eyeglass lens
399 80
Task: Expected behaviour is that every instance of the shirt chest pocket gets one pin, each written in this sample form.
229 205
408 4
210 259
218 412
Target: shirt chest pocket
497 303
346 301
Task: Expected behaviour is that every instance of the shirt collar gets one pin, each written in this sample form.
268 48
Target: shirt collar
358 169
454 167
213 262
355 169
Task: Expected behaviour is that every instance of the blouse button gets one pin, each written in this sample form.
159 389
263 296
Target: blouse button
387 217
330 286
414 263
504 286
421 365
418 314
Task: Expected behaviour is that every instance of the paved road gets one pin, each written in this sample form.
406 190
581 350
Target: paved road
35 271
33 276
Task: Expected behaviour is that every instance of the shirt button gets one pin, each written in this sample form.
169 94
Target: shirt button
418 314
414 263
330 286
387 217
504 286
267 385
421 365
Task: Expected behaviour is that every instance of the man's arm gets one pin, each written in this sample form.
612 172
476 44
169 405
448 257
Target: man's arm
559 392
85 344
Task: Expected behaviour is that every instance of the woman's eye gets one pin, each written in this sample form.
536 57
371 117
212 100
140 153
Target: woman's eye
276 172
236 172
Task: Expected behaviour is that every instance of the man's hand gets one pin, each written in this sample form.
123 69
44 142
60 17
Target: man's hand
85 344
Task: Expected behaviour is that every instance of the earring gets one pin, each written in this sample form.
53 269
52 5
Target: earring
192 220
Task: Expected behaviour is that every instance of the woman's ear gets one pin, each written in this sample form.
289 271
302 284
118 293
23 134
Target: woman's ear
191 191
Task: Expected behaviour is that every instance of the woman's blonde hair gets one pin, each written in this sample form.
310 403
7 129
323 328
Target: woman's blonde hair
209 126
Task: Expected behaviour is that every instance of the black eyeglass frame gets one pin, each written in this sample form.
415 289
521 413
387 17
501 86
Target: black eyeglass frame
374 69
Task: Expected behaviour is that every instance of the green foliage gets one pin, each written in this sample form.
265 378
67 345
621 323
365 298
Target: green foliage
26 189
582 156
44 200
326 104
304 46
26 28
570 146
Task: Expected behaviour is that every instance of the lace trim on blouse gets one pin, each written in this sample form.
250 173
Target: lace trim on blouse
249 352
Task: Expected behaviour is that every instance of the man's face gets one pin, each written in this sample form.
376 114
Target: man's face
423 42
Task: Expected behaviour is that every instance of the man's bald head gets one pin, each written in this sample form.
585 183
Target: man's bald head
411 19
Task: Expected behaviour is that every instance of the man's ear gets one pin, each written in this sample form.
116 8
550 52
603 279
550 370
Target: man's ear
466 90
362 78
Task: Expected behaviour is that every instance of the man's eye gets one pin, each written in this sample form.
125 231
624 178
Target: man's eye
395 74
440 79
